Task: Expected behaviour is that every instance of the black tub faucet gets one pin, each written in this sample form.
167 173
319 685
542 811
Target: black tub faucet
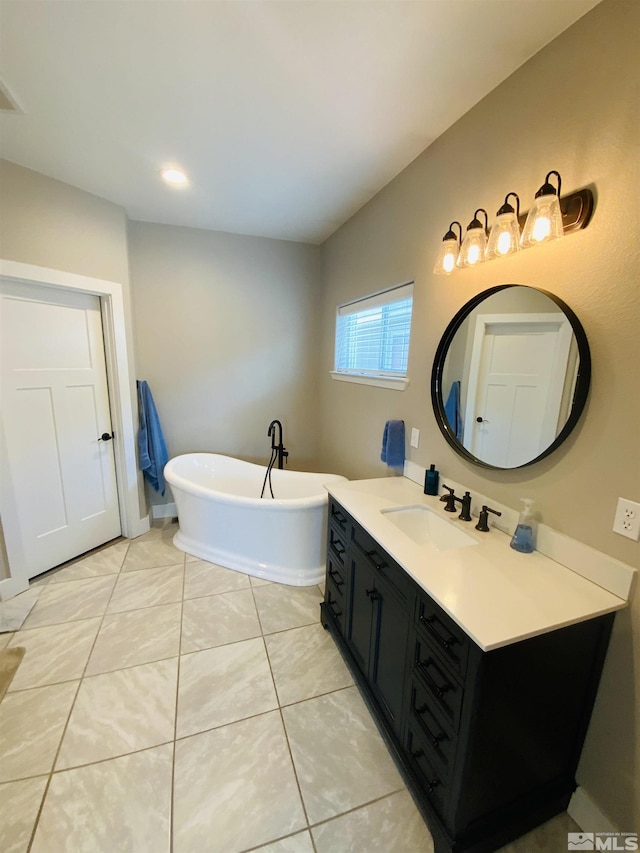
279 448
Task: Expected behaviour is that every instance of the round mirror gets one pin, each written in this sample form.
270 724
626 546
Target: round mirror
511 376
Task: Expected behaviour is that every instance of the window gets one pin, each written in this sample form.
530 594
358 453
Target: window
372 338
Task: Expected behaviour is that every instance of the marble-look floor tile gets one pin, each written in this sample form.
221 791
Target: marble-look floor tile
298 843
227 795
259 581
219 619
306 663
123 804
134 590
163 530
551 835
15 611
282 607
357 768
108 561
392 823
54 653
121 712
31 727
222 685
19 805
202 578
5 639
136 636
63 602
151 553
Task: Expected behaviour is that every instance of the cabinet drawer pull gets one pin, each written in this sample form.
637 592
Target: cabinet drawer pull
376 559
417 753
338 548
433 784
332 606
373 594
339 517
436 740
428 622
439 689
335 577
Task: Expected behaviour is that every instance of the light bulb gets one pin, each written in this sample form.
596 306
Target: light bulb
474 254
541 229
544 221
449 262
504 243
174 177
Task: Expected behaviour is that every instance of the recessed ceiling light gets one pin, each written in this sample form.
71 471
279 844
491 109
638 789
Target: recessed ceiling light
174 176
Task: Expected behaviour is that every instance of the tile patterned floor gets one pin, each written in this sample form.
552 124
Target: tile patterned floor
168 705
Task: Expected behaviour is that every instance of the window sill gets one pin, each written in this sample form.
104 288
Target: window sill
390 382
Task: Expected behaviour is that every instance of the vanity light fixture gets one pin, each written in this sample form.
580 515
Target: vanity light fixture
505 234
474 244
551 216
449 248
544 221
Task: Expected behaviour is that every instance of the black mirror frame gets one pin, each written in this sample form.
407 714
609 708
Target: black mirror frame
581 392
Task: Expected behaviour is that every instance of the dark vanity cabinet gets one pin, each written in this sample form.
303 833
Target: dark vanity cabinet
488 741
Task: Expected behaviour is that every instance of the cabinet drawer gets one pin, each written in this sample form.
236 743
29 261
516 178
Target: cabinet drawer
337 544
447 637
336 574
338 517
382 562
428 721
440 684
429 773
334 600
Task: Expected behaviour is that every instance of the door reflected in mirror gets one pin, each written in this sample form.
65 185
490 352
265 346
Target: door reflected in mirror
511 376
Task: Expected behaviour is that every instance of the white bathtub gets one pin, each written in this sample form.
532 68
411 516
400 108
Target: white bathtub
222 518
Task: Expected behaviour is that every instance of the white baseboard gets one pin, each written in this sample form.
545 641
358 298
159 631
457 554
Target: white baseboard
169 510
587 814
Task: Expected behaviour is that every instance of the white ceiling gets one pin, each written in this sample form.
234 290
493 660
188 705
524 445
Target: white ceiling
286 116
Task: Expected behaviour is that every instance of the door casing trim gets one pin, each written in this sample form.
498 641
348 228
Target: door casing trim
121 394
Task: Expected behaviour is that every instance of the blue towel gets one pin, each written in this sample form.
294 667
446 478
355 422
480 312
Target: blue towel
452 409
393 444
152 450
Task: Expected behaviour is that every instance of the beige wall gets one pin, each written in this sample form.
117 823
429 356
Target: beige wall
227 337
573 107
47 223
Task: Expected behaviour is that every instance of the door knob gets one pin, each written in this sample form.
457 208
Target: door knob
106 436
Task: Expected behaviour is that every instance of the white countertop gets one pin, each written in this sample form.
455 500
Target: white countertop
497 595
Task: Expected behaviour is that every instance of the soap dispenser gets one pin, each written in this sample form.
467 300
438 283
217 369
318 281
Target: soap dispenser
431 481
524 538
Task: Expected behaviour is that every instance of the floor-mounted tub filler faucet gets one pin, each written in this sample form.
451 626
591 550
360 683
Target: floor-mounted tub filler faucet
279 448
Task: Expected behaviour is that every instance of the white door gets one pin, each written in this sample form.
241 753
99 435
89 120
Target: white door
54 406
516 382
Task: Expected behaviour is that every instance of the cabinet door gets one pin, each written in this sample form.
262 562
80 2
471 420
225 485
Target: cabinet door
362 593
387 667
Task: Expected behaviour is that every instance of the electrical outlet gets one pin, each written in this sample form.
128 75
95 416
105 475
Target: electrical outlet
415 437
627 519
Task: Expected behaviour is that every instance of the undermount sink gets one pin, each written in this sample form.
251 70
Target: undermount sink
421 524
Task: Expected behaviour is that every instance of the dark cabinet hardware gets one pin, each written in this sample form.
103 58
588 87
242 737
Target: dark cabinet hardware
417 753
436 740
333 605
428 622
339 517
106 436
373 594
338 548
439 689
335 577
377 560
433 784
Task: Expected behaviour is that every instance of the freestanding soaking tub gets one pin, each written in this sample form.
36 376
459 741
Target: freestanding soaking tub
223 519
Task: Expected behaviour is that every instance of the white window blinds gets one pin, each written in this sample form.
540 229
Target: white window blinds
372 334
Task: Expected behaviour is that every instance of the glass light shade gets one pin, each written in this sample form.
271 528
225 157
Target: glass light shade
505 236
473 247
447 256
544 221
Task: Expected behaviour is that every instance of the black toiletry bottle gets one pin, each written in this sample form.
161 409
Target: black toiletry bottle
431 481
